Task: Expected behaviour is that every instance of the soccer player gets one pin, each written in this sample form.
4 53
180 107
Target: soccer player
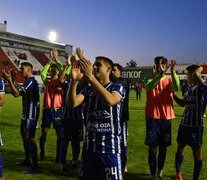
103 101
191 127
2 97
30 114
72 122
52 103
117 70
159 112
138 90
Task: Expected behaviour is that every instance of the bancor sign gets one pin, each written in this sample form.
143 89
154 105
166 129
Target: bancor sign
136 73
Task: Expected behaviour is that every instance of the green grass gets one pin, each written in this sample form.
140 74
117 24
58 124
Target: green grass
137 164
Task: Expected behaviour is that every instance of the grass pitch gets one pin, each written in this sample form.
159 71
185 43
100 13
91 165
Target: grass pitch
137 163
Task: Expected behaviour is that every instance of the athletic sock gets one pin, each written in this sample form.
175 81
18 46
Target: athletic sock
75 149
1 166
178 162
152 162
161 159
33 150
27 152
42 144
63 152
197 169
58 149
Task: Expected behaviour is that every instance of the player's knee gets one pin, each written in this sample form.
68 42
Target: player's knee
152 149
30 140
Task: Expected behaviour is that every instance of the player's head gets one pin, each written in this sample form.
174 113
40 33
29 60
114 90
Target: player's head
54 71
117 70
26 69
102 67
190 70
160 61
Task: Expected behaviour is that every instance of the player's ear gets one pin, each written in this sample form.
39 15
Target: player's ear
109 69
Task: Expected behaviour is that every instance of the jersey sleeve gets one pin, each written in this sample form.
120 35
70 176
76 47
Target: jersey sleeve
59 65
175 82
204 87
26 86
120 90
43 73
150 84
2 87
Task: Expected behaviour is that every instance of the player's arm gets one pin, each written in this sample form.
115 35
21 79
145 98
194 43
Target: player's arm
2 93
7 76
197 76
74 99
2 99
150 84
109 99
66 70
175 79
45 69
178 100
58 63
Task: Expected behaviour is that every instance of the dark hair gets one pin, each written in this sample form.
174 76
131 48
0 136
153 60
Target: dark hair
118 66
54 66
192 68
27 64
157 60
109 61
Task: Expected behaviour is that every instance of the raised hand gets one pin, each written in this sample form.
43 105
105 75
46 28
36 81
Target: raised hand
55 54
76 56
51 58
172 65
69 60
162 67
76 73
79 53
86 67
7 76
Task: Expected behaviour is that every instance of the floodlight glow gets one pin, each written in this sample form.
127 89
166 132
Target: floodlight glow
52 36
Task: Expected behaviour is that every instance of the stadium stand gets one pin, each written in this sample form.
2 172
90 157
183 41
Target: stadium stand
15 49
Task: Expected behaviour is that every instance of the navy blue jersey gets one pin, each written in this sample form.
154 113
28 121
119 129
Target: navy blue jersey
102 123
30 99
72 113
2 91
2 88
195 106
125 83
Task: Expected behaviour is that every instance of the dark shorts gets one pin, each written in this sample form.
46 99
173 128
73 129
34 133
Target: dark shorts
158 132
51 116
97 166
71 129
191 136
28 128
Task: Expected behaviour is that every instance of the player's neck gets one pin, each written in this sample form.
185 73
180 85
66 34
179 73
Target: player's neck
28 76
104 81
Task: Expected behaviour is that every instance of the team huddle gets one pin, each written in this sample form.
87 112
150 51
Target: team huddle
96 96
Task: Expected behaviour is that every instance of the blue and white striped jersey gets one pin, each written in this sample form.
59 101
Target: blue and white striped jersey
72 113
2 91
30 99
196 99
102 123
2 87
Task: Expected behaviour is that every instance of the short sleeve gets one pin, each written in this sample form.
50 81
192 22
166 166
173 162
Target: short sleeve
119 89
2 87
26 86
204 87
